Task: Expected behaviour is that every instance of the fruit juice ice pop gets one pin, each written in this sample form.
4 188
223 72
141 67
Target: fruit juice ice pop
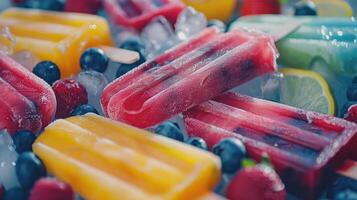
27 102
304 146
187 75
105 159
214 9
59 37
332 41
323 44
137 13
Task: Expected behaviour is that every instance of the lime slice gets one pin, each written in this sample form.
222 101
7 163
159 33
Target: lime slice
333 8
307 90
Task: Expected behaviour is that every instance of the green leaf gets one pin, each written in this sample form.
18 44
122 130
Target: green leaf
248 163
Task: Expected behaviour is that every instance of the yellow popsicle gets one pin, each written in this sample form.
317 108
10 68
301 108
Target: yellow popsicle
56 36
214 9
105 159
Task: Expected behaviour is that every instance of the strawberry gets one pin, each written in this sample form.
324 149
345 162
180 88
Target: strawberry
69 94
259 182
51 189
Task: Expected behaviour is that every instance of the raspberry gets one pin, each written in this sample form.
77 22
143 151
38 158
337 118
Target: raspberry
69 94
258 182
49 188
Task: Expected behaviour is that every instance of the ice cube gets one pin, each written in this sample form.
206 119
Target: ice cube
8 157
270 86
120 34
94 82
26 59
4 4
7 40
178 120
111 71
190 22
158 36
264 87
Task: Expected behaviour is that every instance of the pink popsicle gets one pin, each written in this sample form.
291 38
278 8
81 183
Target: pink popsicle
29 102
187 75
303 145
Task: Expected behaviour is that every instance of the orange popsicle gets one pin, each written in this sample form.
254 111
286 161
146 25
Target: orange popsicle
55 36
104 159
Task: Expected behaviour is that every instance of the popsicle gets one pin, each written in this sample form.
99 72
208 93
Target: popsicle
55 36
104 159
187 75
137 13
214 9
26 101
324 44
332 41
303 146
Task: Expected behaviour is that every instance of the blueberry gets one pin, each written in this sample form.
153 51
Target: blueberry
169 129
217 23
342 188
23 141
352 92
56 5
29 168
48 71
15 193
134 44
94 59
84 109
197 142
125 68
231 151
354 80
305 8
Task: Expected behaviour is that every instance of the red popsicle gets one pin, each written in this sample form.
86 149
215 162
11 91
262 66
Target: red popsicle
27 102
302 145
187 75
137 13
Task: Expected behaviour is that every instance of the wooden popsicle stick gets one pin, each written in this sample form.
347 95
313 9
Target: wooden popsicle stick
285 30
348 169
120 55
278 33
